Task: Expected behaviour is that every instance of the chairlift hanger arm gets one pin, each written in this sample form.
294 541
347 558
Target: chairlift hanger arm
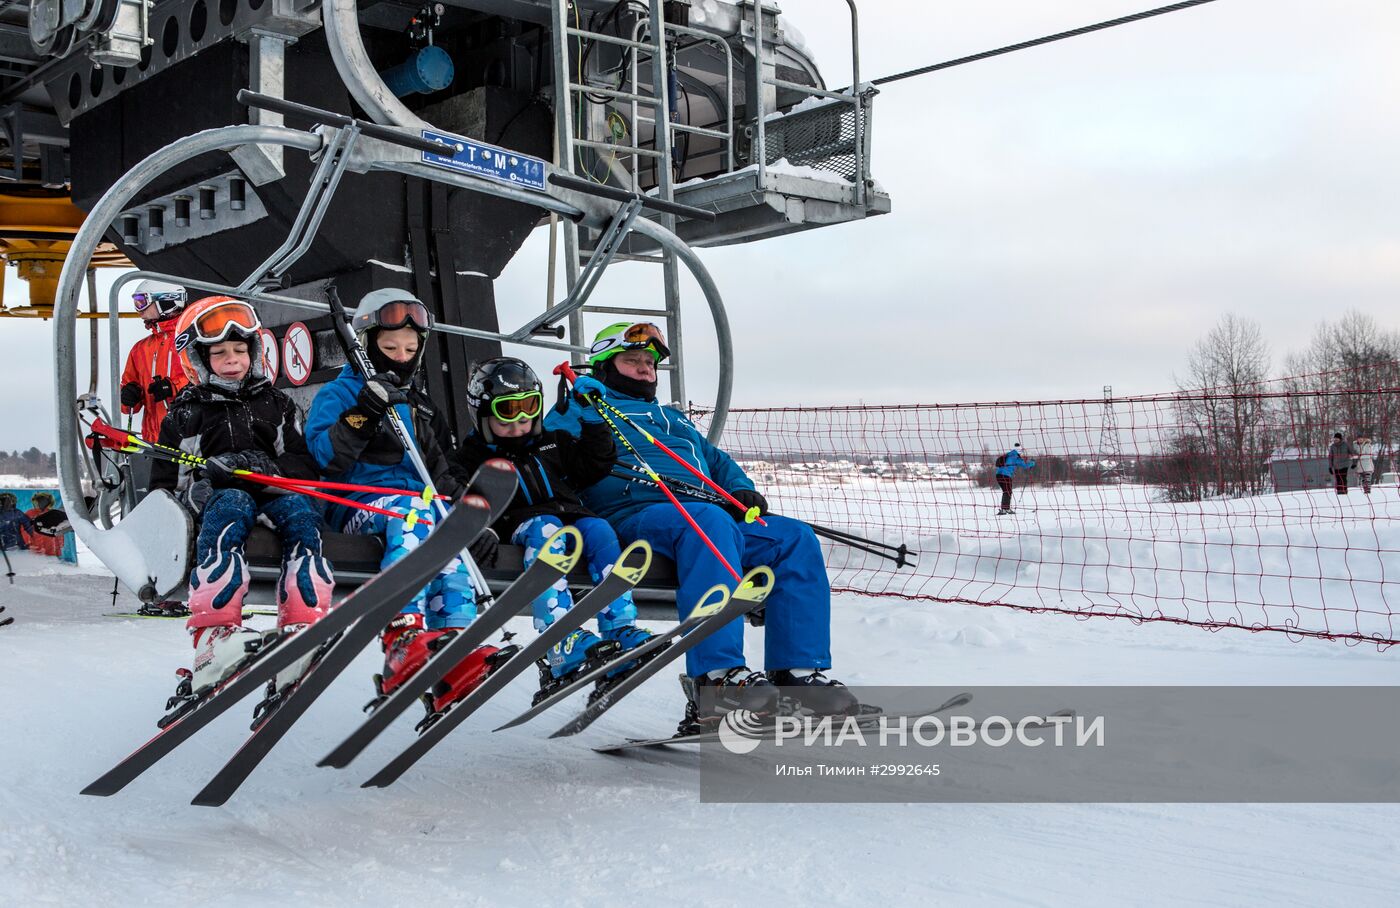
330 118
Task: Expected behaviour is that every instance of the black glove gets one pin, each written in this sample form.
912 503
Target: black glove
197 495
749 499
218 470
485 548
380 393
160 388
131 395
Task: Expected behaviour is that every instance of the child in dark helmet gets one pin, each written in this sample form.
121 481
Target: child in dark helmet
349 432
797 640
508 403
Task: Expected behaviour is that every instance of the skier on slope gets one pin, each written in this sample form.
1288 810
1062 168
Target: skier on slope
1006 466
230 414
508 403
350 436
153 376
797 642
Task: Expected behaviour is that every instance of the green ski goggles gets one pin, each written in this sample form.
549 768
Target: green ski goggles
515 407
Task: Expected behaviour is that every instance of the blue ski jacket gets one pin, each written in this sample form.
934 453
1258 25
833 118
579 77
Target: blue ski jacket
614 498
1014 460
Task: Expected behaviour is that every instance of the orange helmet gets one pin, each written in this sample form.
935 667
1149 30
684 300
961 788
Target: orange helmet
213 320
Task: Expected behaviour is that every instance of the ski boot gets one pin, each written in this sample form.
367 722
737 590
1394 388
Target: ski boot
408 646
221 652
579 653
816 693
303 598
712 695
628 637
465 677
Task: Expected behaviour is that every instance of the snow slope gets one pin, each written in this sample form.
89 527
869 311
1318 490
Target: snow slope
516 819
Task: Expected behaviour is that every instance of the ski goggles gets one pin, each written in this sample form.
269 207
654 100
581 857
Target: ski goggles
216 323
515 407
399 313
164 301
641 336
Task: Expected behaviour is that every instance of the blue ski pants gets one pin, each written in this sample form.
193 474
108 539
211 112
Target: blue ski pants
228 518
448 601
797 620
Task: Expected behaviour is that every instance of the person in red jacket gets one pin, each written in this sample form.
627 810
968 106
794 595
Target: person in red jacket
153 375
50 526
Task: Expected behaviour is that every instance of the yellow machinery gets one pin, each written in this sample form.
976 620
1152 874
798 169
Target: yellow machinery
36 229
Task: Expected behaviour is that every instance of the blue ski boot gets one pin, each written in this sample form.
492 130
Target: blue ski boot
627 637
581 651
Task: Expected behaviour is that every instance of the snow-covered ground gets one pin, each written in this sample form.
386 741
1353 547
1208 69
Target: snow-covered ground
517 819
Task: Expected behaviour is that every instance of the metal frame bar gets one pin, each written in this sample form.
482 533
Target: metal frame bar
592 211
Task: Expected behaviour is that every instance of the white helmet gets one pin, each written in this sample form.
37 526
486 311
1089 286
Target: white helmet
158 300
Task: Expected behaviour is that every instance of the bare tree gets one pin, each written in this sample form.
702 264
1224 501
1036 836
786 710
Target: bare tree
1338 384
1223 417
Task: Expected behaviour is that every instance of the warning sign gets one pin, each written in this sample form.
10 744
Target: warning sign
271 354
297 353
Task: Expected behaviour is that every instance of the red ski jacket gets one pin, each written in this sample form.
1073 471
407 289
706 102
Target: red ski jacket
151 358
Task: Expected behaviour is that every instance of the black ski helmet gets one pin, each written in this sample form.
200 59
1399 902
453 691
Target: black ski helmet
499 377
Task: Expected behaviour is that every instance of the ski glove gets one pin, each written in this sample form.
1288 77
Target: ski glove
380 393
485 548
749 498
197 495
219 468
161 388
132 395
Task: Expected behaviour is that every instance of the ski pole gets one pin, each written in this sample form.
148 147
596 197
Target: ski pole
902 551
709 543
280 482
9 568
750 514
112 433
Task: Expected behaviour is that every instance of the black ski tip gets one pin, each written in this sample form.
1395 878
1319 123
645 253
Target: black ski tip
207 798
99 790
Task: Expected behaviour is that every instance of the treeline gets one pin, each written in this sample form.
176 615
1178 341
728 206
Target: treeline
1232 417
30 464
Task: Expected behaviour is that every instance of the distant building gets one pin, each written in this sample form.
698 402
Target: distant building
1296 470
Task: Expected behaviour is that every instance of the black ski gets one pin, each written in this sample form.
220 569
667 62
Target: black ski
866 719
629 570
287 706
544 572
8 620
749 595
715 598
382 595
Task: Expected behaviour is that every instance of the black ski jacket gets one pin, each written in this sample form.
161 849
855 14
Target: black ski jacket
551 467
206 420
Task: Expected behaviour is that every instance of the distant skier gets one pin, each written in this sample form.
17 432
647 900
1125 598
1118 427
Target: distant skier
1339 455
153 376
231 415
508 403
13 523
350 436
50 526
1365 461
1006 466
797 642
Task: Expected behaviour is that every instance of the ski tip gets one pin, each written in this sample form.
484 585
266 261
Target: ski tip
98 790
208 799
499 463
476 501
756 585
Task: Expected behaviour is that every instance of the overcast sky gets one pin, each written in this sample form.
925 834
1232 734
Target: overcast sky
1064 217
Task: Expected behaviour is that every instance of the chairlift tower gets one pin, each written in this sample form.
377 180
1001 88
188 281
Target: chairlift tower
1110 453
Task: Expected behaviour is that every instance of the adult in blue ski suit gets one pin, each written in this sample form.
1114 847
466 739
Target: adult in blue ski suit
797 614
1006 469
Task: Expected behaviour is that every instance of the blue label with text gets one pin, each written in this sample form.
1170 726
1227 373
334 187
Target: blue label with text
482 160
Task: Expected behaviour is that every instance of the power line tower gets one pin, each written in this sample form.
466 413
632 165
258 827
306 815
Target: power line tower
1110 447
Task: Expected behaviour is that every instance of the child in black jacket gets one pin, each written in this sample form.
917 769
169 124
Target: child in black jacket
231 415
508 402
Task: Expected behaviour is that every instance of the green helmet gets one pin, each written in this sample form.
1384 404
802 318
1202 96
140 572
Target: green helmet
622 336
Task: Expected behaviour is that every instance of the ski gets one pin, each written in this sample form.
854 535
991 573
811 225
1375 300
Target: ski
276 715
749 595
546 570
382 594
870 716
629 570
715 598
6 620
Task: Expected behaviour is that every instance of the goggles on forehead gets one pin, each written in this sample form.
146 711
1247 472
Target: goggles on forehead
515 407
141 300
218 322
641 336
400 313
